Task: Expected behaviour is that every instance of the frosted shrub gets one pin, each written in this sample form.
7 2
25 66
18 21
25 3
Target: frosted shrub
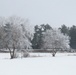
24 54
16 54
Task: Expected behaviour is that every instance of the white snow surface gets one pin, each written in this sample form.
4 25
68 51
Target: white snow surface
43 64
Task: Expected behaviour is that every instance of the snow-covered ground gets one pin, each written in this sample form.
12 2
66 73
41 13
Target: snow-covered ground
43 64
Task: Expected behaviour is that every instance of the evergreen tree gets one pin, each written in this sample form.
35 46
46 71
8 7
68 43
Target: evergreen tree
64 29
39 31
73 37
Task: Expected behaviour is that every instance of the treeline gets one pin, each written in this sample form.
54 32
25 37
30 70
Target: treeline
40 29
15 36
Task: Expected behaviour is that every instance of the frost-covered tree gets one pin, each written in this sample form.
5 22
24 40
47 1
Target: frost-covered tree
54 39
14 37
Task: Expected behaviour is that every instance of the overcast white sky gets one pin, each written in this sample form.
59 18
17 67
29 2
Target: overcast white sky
53 12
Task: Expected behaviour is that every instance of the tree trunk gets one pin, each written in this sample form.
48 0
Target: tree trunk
54 53
12 53
11 57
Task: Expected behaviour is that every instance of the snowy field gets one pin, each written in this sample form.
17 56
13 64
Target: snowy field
43 64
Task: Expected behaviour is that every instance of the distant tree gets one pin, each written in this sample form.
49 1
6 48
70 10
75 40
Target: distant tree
39 31
56 40
73 37
45 27
64 29
37 38
2 34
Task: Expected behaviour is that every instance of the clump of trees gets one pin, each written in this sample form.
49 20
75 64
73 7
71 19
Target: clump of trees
13 35
46 37
40 30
